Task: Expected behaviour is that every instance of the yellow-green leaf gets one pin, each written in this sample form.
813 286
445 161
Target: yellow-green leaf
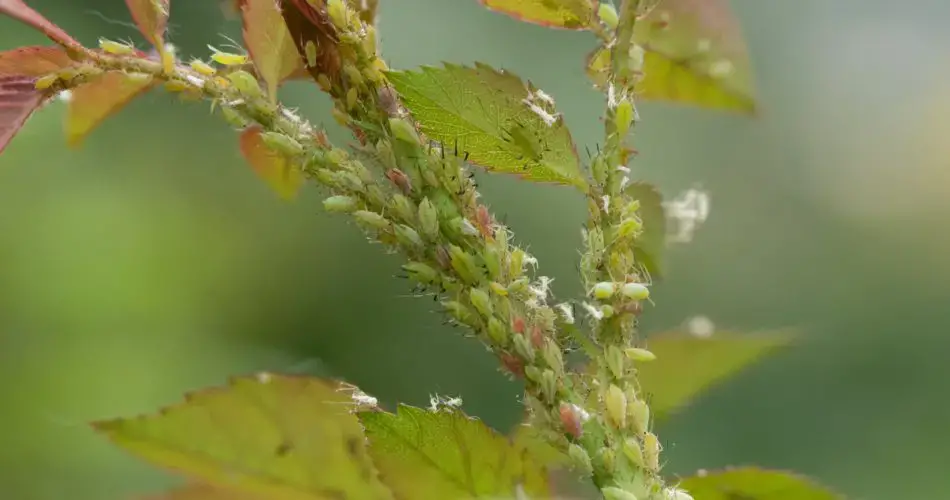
753 483
269 42
203 491
444 454
270 436
94 101
695 54
482 110
567 14
272 166
685 364
686 61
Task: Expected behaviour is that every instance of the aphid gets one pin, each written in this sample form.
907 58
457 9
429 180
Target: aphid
227 58
245 83
45 82
283 144
310 53
116 48
525 144
202 67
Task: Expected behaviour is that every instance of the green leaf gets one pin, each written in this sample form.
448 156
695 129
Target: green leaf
685 364
482 110
276 437
651 243
92 102
752 483
695 54
444 454
269 42
282 176
567 14
527 437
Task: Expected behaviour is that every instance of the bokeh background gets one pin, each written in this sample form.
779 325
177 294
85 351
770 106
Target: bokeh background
152 261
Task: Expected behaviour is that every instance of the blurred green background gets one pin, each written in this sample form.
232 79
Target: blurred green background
152 261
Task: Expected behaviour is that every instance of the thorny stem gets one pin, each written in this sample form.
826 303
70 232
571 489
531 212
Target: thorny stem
417 198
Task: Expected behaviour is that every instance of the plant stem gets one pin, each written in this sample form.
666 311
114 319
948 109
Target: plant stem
617 282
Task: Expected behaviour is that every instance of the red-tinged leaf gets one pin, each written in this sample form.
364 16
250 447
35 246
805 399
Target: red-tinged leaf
93 102
273 167
22 12
151 16
308 23
33 61
18 100
566 14
267 39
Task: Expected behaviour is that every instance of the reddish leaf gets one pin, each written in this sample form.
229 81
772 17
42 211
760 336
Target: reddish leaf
18 99
33 61
273 167
93 102
22 12
269 42
307 22
151 16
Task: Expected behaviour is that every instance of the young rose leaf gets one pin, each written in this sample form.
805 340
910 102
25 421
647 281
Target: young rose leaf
94 101
151 17
266 437
315 37
20 11
483 111
203 491
650 245
269 42
685 364
33 61
19 98
446 454
754 483
272 166
567 14
695 54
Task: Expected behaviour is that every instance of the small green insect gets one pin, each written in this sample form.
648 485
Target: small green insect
526 144
310 51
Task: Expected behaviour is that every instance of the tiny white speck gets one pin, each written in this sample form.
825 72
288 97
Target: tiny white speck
263 377
65 95
700 327
195 80
721 68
